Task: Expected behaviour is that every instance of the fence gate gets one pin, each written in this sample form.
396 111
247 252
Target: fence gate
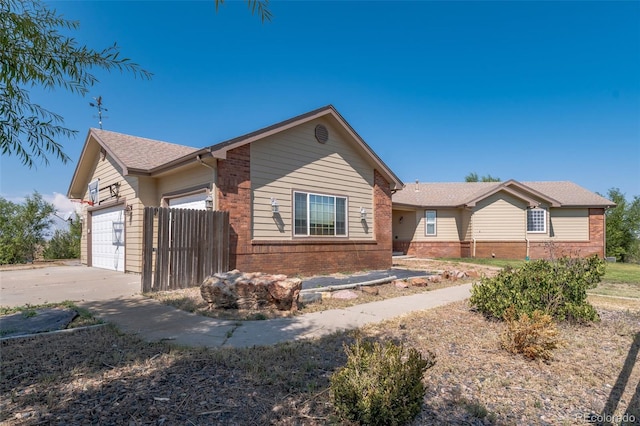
181 247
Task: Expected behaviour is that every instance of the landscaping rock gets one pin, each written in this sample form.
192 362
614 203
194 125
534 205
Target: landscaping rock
370 290
400 284
310 298
418 282
237 290
344 294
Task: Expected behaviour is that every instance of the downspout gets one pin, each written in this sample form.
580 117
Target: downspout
474 247
527 255
214 182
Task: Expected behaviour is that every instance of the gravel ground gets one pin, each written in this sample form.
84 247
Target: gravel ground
100 376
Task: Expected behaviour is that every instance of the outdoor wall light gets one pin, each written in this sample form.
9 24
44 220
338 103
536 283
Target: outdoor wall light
275 208
129 208
363 213
208 202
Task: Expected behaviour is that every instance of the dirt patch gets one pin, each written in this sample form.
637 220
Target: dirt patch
118 379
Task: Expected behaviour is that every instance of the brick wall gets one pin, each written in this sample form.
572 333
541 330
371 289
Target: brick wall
382 214
306 257
234 196
514 249
429 248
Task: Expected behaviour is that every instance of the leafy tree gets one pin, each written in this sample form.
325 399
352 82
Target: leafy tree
259 6
35 53
623 227
473 177
65 244
23 228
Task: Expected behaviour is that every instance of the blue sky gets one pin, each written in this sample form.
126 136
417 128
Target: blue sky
522 90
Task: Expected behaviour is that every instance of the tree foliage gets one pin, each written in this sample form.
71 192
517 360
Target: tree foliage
36 53
623 227
473 177
261 7
65 244
23 228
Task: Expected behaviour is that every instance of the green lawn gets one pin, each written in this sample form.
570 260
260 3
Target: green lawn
620 279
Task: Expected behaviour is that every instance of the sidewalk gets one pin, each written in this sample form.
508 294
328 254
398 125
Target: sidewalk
153 321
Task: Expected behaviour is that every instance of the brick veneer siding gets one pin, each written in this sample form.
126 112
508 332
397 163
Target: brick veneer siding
429 248
513 249
234 196
297 257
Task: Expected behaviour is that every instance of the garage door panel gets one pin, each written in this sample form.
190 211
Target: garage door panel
107 239
193 201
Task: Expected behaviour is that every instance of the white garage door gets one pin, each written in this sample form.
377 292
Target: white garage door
107 239
194 201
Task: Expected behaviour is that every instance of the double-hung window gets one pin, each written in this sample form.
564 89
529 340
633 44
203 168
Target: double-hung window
319 215
537 220
430 222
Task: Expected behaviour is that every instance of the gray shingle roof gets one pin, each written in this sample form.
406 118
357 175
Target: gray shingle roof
455 194
140 153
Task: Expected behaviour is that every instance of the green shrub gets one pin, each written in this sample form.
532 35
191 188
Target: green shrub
557 288
533 336
380 384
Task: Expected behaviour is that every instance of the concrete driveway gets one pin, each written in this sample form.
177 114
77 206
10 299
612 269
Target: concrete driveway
59 283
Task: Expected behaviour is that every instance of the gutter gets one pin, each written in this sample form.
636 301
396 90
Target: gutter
214 181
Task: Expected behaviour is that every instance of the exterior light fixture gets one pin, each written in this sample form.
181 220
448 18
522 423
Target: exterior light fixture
208 202
275 208
363 213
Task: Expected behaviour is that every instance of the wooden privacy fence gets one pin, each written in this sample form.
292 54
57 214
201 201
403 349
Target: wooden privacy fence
181 247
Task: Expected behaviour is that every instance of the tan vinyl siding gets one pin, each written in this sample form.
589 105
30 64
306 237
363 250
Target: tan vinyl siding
500 217
294 160
466 231
570 224
448 222
406 230
195 175
109 172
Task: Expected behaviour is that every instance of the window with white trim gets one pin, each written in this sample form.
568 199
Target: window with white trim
430 218
537 220
319 215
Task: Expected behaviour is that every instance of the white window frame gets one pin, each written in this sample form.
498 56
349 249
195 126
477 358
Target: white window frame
535 222
428 222
309 229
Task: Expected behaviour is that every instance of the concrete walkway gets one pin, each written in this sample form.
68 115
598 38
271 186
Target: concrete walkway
153 321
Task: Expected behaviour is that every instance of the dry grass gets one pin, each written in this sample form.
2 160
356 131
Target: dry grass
118 379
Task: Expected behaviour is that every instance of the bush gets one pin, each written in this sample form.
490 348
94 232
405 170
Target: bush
557 288
380 384
533 336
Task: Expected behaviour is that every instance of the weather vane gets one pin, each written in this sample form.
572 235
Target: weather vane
98 104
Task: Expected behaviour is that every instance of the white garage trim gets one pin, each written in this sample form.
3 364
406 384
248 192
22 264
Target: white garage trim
108 238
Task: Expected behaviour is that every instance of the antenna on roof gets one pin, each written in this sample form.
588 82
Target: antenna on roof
98 105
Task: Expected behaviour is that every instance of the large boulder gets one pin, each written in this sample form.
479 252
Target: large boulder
237 290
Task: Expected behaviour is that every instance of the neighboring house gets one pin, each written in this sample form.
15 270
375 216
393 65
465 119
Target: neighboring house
304 196
510 219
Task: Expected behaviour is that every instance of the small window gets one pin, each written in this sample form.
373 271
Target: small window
319 215
537 220
430 222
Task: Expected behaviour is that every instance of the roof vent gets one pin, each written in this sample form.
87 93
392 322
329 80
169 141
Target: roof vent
322 134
